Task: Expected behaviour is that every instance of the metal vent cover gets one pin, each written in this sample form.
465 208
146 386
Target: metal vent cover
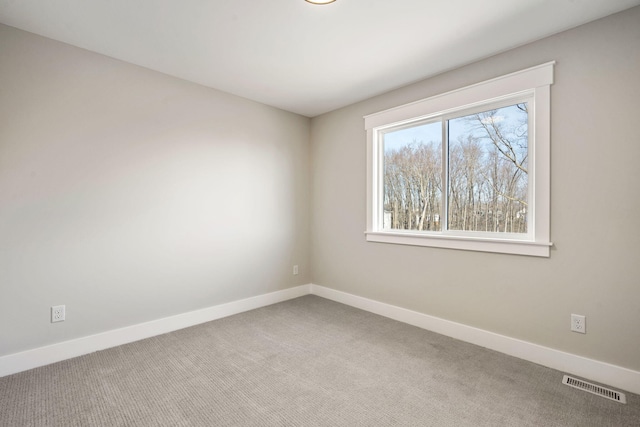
594 389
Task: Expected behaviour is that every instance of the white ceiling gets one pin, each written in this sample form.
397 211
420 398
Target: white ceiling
300 57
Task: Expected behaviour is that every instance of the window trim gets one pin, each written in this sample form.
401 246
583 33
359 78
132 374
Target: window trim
535 82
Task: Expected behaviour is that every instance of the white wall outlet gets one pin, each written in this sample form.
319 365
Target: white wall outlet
578 323
295 270
57 313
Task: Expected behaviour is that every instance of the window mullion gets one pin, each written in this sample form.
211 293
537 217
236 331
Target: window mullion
444 223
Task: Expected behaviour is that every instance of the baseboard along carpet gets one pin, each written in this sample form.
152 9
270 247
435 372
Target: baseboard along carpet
304 362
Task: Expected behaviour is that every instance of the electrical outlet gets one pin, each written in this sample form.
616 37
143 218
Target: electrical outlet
578 323
57 313
295 270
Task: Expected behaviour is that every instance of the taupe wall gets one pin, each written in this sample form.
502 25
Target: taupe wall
128 195
594 268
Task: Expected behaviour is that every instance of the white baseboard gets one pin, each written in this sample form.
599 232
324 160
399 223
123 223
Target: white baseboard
605 373
18 362
615 376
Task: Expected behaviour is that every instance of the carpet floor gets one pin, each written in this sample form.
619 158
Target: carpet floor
303 362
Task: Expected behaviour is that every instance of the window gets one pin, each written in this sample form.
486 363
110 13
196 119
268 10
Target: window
467 169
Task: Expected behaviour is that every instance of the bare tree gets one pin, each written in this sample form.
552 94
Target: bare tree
487 177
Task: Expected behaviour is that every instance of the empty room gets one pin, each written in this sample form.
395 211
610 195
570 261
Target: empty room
331 213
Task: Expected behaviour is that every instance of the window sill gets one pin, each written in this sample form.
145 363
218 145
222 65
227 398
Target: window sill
505 246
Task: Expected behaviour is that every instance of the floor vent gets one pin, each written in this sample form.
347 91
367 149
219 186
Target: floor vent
595 389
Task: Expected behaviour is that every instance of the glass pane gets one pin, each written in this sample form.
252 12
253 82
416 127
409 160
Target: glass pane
488 178
413 178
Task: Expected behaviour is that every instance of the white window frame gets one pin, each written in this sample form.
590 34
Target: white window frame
532 84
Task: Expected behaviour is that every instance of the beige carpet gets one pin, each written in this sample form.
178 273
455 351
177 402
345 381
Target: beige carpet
304 362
